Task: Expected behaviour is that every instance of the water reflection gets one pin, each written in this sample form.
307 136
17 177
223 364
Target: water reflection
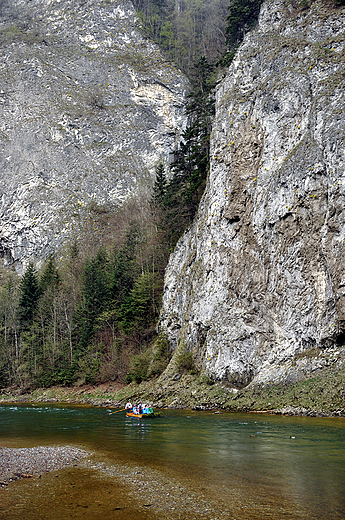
136 430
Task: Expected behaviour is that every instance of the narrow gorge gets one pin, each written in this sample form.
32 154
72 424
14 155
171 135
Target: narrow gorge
253 307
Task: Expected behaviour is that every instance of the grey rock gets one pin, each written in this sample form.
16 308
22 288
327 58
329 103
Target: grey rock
255 288
88 107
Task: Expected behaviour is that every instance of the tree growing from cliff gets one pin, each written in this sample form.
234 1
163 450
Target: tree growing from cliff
191 159
242 17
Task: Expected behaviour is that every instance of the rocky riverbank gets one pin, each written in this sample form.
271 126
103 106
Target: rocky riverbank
33 462
140 490
319 394
160 493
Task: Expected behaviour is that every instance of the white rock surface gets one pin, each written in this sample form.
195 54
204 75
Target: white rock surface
260 277
88 107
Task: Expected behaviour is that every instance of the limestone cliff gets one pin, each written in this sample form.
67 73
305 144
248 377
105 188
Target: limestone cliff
88 107
256 288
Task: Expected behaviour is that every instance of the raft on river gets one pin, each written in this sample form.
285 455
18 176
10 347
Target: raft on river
149 414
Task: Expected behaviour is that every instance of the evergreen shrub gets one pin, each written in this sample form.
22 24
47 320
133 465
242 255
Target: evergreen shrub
161 355
185 361
138 368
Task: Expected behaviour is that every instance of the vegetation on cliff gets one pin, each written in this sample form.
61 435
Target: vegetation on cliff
91 316
185 29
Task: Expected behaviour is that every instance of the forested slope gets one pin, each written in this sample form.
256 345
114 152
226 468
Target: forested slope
87 311
186 29
88 107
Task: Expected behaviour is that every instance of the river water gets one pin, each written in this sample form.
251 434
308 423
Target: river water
252 466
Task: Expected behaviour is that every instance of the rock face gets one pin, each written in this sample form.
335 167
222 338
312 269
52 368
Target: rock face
88 107
256 288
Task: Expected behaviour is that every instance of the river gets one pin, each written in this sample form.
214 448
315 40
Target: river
244 466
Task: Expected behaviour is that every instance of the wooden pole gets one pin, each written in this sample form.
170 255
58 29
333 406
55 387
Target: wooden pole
118 411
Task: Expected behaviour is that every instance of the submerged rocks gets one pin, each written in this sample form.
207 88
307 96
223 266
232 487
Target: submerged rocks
255 288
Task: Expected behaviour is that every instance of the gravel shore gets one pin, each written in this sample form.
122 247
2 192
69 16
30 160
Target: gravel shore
32 462
150 491
154 490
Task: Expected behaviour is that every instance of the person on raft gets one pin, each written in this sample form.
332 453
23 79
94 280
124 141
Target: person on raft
138 409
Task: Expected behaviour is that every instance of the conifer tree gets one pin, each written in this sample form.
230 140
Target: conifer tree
124 268
243 15
94 297
191 160
29 295
50 276
160 185
47 345
138 311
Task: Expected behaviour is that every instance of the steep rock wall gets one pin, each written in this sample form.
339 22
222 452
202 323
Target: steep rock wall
256 288
87 109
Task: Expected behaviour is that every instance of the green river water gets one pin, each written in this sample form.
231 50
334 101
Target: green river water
252 466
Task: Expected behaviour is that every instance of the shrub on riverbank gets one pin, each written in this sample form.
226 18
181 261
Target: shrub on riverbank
322 395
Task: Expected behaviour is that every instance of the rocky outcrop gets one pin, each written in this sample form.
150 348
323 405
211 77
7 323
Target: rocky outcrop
256 288
88 107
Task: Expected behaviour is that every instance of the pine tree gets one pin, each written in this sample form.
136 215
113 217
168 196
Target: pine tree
94 297
29 295
124 267
242 17
50 277
138 311
191 160
47 346
160 185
